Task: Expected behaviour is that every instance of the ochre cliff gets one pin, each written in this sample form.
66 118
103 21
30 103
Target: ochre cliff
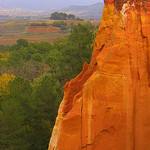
107 106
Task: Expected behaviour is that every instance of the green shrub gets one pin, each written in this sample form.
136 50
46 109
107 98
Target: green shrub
22 42
59 23
63 27
58 16
36 57
39 24
79 19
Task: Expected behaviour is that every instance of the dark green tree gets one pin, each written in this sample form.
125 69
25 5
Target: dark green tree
47 96
90 25
22 42
75 50
43 47
37 57
79 19
63 28
71 17
59 24
15 112
53 59
28 113
71 25
39 24
15 58
58 16
81 36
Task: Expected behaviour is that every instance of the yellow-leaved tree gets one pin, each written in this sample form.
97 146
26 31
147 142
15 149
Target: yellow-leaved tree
4 56
4 80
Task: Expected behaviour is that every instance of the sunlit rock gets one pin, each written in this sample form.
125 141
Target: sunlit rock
107 106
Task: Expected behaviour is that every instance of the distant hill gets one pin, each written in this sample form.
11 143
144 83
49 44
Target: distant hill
86 12
19 12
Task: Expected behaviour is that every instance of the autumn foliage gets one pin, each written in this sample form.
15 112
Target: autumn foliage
4 80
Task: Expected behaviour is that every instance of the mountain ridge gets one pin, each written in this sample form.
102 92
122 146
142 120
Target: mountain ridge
92 11
84 11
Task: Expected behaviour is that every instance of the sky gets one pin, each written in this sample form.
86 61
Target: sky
45 4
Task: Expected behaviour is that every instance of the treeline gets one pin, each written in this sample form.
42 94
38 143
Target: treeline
29 98
64 16
39 24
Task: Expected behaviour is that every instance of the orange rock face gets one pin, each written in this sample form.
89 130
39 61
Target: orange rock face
107 106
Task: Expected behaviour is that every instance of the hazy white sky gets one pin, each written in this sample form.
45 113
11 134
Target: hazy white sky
45 4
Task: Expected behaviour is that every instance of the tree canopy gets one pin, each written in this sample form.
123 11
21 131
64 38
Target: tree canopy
64 16
29 99
58 16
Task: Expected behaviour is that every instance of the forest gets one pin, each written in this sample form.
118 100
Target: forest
32 76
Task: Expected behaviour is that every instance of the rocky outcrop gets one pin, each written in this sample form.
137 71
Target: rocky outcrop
107 106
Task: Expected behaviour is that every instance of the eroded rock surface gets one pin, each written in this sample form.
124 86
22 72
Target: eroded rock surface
107 106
